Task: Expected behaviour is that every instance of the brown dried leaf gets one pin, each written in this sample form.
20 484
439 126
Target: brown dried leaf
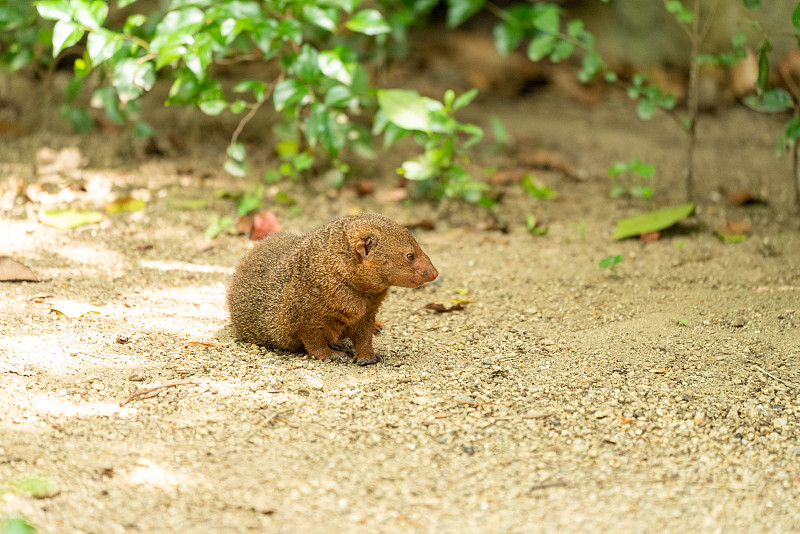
395 194
423 224
441 308
508 176
649 237
201 344
734 228
542 158
244 225
365 188
745 197
14 271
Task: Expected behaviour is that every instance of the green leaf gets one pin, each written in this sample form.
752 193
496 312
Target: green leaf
652 222
248 203
537 189
646 109
65 34
562 50
143 130
368 22
125 204
237 152
465 99
796 18
68 218
507 37
752 4
460 10
212 102
682 14
80 119
405 108
644 170
499 130
90 14
217 225
102 45
610 261
325 18
288 93
134 21
16 526
590 66
54 9
763 68
418 169
258 88
338 95
235 168
541 46
34 485
617 168
547 18
321 126
772 101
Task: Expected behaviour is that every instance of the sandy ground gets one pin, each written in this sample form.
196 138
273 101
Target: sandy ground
562 399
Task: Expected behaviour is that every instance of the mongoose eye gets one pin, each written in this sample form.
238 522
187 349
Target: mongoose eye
410 257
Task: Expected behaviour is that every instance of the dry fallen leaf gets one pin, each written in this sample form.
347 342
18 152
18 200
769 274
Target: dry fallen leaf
745 198
542 158
264 223
733 231
125 204
365 187
201 344
14 271
649 237
244 225
441 308
73 309
423 224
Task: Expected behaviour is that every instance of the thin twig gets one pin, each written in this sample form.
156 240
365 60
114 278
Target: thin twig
254 110
782 381
637 399
547 485
146 391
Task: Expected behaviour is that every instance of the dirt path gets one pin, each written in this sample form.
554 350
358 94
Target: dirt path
563 399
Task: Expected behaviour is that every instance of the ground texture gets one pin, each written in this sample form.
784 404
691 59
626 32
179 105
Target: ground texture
562 399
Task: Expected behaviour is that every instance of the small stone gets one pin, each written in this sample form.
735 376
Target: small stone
699 418
739 322
779 422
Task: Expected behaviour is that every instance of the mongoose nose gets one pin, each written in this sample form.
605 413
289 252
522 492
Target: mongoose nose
432 274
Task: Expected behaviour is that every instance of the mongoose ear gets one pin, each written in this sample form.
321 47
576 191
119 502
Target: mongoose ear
364 247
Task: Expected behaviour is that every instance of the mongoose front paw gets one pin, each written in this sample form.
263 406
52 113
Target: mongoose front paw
337 356
369 360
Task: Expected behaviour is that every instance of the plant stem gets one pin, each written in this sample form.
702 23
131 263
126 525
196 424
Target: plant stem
796 171
692 102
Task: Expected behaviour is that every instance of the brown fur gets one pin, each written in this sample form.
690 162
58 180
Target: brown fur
312 291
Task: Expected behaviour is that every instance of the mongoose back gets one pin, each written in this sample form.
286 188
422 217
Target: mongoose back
313 291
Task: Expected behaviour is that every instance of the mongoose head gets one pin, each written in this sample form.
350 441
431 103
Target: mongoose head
388 255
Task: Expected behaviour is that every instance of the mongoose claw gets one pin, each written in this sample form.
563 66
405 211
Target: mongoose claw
336 356
375 358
